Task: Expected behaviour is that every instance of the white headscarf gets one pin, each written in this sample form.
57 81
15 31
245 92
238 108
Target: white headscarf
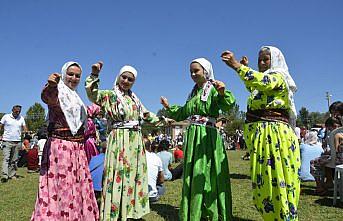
209 75
71 104
120 93
278 65
311 138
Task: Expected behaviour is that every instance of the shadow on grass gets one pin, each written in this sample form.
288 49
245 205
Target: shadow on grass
308 192
239 176
329 202
166 211
241 219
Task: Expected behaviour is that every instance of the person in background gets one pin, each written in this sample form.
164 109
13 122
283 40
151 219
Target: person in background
178 153
42 137
155 173
96 167
90 133
32 159
26 146
13 125
166 158
309 150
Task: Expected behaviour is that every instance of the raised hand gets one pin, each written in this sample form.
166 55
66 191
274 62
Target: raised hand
220 86
164 102
54 78
244 61
96 68
229 58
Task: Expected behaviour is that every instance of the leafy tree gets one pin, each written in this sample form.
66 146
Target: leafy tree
35 117
303 118
310 119
234 120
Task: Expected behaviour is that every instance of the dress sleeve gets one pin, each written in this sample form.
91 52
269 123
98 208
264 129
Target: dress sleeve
177 113
94 94
260 81
49 95
226 101
151 117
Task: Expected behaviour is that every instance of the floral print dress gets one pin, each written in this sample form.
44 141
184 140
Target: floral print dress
274 148
125 185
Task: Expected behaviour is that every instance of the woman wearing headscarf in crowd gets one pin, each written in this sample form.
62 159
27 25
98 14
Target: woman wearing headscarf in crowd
206 192
125 189
65 185
273 145
90 133
309 150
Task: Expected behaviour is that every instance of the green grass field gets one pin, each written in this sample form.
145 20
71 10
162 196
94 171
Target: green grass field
17 198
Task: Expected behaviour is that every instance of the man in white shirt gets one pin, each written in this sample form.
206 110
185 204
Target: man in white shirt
13 125
155 173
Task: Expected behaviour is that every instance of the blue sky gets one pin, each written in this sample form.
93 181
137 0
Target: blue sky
160 38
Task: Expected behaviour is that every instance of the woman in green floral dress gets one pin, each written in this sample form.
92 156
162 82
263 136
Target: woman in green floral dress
273 145
206 192
125 187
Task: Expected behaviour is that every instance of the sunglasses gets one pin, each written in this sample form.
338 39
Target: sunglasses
129 79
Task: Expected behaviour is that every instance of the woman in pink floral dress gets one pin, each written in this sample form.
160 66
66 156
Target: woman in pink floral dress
65 185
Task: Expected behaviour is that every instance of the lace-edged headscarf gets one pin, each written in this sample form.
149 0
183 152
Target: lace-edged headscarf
71 104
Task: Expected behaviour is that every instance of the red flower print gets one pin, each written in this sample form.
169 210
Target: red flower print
49 213
51 175
133 202
118 179
139 182
71 206
140 194
130 191
113 208
90 208
54 197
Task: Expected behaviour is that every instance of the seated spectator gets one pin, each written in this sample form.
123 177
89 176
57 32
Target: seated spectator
309 150
178 153
32 159
323 164
96 167
166 157
22 155
155 173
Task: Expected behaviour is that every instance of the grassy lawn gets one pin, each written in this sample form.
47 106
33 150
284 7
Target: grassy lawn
17 198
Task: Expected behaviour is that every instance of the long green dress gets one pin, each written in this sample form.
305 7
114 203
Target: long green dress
206 192
125 187
274 148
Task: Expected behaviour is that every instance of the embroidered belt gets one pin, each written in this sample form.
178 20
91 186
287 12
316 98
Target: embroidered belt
202 121
267 115
65 134
132 124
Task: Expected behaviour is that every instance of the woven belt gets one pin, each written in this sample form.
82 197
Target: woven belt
65 134
267 115
134 124
202 121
